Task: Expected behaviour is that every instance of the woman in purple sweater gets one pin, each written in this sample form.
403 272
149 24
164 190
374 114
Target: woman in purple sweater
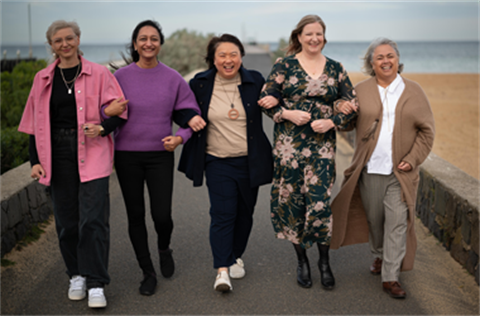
144 145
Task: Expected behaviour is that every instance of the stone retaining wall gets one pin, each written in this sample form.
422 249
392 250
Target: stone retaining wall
25 203
448 205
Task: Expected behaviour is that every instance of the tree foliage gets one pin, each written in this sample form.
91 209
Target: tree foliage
15 87
281 50
185 51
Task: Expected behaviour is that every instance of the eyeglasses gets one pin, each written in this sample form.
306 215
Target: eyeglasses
59 41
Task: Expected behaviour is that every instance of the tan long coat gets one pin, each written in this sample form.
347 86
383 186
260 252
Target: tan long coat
412 141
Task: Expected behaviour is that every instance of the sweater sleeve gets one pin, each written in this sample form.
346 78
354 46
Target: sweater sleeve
32 151
185 100
182 117
425 134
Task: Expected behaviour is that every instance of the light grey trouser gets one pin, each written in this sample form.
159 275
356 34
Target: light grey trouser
387 221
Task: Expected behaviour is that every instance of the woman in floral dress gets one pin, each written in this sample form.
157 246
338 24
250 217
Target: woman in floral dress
305 85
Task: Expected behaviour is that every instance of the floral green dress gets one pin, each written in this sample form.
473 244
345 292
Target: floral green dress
304 161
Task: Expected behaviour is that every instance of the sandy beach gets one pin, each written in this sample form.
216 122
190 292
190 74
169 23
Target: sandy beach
455 103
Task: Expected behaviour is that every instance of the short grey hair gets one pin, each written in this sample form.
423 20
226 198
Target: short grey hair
59 25
368 58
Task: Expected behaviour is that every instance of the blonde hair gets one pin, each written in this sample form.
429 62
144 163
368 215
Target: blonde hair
368 58
59 25
294 46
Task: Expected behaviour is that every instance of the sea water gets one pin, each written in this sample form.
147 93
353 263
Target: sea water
417 57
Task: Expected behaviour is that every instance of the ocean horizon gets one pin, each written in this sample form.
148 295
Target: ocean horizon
417 57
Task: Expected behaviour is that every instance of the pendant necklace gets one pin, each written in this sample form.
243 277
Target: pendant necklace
71 81
232 113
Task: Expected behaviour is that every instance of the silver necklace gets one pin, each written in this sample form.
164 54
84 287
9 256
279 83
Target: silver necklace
71 81
232 113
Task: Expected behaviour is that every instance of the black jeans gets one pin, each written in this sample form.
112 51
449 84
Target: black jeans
81 211
156 169
232 202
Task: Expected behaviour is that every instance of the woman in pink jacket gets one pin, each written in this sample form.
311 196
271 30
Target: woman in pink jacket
71 151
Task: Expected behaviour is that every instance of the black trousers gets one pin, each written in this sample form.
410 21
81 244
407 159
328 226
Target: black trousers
232 202
81 212
155 168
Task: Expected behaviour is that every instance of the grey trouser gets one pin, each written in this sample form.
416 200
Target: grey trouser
387 221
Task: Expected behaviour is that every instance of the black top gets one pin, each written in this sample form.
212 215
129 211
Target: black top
63 109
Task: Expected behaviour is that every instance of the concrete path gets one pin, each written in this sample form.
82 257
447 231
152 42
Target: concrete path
37 284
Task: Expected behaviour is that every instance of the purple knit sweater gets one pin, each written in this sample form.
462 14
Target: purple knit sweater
152 94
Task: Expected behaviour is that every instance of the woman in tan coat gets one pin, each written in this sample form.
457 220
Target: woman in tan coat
394 135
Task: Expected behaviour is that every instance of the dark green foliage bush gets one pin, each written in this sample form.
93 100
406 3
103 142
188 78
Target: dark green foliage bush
185 51
14 148
15 87
280 52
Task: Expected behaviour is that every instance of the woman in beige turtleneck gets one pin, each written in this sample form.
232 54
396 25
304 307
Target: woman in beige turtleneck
233 150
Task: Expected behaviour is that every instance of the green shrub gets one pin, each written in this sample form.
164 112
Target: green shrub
280 52
14 150
15 87
185 51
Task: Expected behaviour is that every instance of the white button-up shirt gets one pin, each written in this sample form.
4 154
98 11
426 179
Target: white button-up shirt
381 160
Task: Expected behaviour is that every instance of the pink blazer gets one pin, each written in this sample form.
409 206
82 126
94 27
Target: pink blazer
94 87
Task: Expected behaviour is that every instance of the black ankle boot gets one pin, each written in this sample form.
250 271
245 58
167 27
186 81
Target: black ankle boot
326 275
303 269
167 265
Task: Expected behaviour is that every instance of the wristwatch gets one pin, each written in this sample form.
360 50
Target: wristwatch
102 131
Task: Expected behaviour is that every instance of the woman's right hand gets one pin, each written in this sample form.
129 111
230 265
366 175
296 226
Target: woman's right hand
297 117
37 172
197 123
116 107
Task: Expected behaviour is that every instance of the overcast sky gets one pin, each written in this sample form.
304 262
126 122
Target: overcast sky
263 21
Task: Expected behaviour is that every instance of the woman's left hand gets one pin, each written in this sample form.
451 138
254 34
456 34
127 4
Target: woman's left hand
404 166
91 130
322 126
268 102
171 142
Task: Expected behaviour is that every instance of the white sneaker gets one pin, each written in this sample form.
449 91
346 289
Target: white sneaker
222 283
78 288
237 270
96 298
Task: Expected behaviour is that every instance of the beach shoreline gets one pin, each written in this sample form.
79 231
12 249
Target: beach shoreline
454 99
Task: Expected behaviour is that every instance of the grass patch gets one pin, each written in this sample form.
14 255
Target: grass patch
32 235
7 263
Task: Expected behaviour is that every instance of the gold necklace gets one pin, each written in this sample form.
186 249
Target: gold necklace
233 113
71 81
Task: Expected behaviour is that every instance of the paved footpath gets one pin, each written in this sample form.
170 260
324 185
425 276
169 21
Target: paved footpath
37 284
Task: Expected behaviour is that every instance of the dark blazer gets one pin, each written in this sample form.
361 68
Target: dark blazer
260 161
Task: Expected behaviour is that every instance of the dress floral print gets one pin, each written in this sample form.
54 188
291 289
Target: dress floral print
304 161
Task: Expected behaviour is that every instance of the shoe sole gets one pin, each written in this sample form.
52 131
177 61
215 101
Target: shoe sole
222 288
237 276
77 298
394 296
305 286
97 305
